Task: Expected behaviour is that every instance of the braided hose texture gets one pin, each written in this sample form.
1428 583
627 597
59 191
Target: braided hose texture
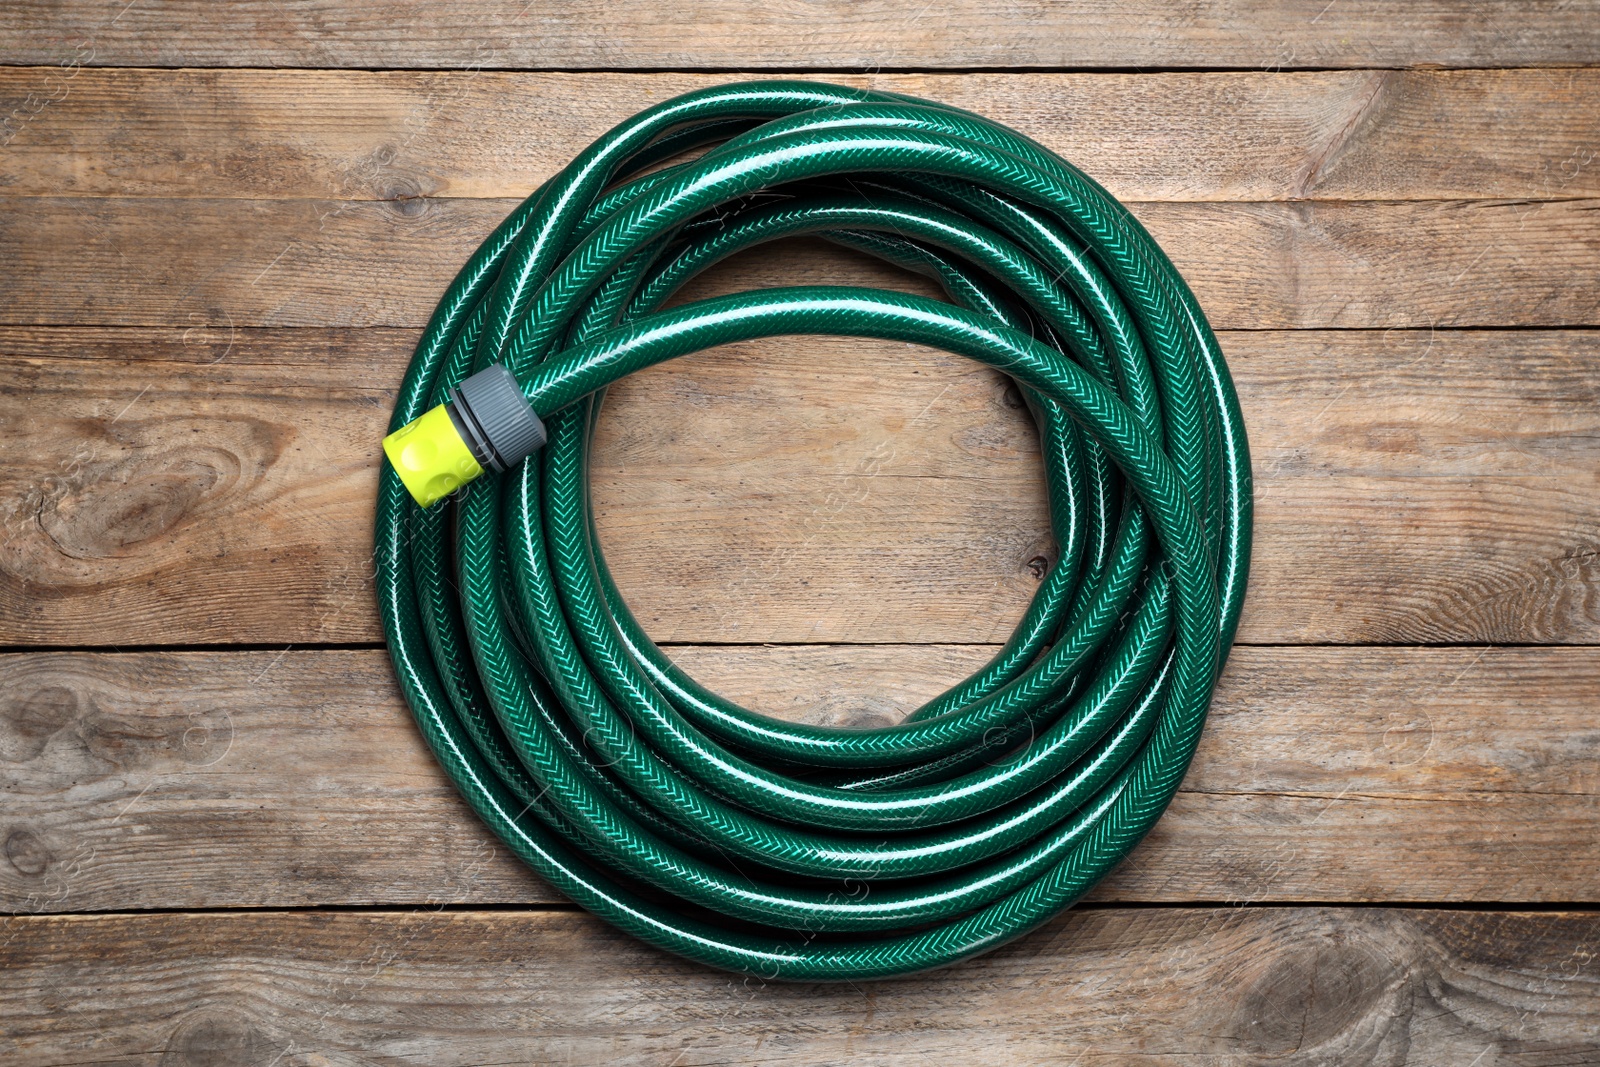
787 850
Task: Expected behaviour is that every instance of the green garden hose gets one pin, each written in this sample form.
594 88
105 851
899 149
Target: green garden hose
780 849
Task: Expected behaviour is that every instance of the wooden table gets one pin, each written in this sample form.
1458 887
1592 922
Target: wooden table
221 229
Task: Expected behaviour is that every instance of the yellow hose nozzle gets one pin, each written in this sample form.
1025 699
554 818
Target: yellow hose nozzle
485 423
431 456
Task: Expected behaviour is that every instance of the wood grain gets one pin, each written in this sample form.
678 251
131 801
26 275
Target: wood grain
181 470
208 485
172 262
733 35
1313 986
386 135
290 778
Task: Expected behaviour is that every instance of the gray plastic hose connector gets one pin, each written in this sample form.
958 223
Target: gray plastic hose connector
494 418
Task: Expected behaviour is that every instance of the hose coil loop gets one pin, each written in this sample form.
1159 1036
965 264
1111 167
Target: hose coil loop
780 849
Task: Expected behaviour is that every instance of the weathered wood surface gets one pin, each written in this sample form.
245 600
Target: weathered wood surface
215 485
364 135
1308 264
1311 986
737 35
181 471
266 779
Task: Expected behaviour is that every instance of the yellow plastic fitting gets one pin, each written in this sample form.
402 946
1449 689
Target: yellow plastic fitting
431 457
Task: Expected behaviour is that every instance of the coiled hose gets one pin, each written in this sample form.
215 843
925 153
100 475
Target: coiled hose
780 849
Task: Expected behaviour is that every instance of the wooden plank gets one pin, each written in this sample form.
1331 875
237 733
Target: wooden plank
359 135
1318 986
266 779
207 485
165 262
878 34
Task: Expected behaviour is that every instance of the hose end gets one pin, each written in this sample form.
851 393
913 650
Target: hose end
430 456
484 424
